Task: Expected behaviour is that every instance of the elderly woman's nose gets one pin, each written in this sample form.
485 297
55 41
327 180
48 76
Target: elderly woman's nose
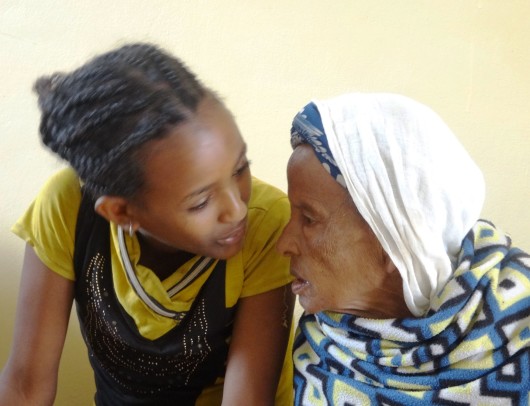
286 244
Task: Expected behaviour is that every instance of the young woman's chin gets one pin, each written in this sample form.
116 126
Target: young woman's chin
227 252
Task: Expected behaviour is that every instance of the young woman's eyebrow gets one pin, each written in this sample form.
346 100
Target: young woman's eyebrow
207 187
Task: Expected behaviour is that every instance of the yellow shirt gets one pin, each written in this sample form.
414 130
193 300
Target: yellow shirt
49 226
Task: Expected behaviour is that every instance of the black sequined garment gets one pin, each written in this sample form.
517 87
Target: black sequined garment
130 369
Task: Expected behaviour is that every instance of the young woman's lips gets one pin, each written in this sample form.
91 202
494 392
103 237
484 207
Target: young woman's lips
235 236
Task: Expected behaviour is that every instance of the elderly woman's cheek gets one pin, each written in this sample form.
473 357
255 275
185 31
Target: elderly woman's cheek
324 245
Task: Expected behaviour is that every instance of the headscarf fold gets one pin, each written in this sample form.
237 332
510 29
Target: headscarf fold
408 175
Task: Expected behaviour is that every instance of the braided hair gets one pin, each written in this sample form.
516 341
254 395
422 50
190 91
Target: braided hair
98 116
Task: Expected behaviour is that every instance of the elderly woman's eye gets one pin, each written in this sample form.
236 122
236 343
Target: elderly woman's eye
307 219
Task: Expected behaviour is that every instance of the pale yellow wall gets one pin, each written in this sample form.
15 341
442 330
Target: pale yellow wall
469 60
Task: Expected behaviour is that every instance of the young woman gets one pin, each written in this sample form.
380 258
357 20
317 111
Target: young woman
161 236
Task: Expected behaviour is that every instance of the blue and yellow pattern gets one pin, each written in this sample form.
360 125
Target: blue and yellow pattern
472 347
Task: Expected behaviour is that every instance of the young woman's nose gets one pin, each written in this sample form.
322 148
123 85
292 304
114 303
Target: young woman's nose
234 208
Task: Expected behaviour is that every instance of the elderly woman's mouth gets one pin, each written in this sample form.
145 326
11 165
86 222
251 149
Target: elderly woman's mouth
298 285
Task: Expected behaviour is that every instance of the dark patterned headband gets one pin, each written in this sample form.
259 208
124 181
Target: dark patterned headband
307 128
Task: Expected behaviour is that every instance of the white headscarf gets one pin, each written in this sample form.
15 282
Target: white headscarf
411 180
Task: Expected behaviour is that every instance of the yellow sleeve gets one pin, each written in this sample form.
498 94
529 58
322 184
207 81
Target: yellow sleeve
49 223
264 267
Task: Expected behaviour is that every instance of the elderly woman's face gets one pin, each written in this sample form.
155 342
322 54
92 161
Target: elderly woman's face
337 261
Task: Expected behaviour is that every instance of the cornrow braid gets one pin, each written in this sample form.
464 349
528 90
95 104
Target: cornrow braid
98 116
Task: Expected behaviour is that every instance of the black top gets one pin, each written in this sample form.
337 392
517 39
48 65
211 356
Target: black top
130 369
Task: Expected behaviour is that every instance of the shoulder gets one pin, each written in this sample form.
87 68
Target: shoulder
268 212
266 199
62 184
264 267
260 266
60 197
49 222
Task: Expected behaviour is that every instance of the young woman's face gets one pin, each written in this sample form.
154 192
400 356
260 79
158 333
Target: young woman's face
197 186
335 257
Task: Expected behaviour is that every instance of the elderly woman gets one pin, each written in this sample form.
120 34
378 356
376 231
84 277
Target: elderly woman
409 297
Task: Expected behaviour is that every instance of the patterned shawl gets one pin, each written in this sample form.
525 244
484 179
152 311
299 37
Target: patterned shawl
472 347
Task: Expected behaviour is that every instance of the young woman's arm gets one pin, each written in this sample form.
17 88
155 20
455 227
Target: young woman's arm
43 311
257 350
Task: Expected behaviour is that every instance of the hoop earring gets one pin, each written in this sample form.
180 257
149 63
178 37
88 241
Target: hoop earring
131 231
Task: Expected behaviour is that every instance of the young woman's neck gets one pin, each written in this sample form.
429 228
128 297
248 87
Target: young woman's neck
162 262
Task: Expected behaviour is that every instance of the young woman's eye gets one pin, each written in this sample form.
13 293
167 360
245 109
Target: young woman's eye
242 168
199 206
